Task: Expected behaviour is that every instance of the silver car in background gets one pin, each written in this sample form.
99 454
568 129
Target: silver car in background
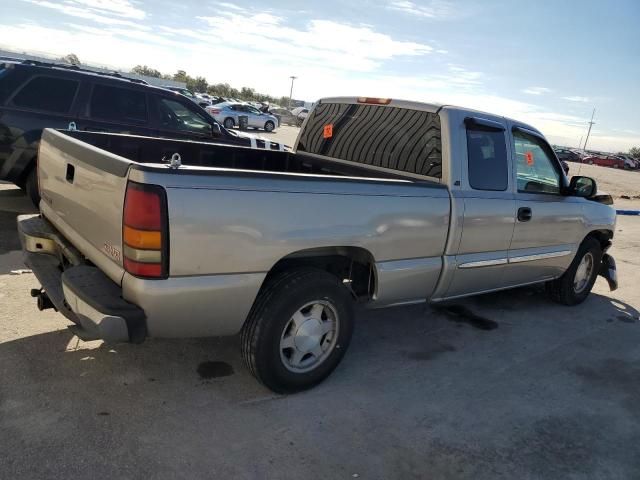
228 114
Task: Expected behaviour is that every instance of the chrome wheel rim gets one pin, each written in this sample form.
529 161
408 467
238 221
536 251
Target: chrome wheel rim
583 273
309 336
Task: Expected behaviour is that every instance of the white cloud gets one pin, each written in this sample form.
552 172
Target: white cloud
120 12
434 8
577 99
341 45
231 6
536 90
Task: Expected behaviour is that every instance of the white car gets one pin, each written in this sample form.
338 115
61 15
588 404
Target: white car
300 113
228 114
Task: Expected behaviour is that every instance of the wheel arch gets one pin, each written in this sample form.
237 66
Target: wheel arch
602 236
355 266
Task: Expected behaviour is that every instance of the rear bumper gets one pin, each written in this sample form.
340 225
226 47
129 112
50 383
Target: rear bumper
80 292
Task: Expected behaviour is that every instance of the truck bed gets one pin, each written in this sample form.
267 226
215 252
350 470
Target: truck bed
149 150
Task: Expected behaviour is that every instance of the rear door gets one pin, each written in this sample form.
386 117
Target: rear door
486 194
549 226
117 109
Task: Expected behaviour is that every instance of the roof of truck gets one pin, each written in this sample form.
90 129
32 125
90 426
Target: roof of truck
423 106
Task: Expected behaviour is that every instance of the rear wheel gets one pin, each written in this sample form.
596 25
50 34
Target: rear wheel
229 123
298 330
269 126
575 285
31 186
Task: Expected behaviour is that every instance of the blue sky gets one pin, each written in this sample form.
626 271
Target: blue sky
546 62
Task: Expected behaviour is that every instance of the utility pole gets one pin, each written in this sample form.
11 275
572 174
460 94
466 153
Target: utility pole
580 143
591 123
291 92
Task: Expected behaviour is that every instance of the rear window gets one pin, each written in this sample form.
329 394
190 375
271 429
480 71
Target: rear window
47 94
121 105
390 137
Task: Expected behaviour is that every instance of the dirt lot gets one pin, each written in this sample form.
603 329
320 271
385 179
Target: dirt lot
506 385
614 181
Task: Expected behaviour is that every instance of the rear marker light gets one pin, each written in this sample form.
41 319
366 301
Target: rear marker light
145 231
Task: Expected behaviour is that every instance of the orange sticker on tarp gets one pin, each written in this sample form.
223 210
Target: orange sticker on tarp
327 132
529 158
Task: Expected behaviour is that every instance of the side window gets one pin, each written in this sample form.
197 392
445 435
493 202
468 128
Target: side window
48 94
176 116
536 168
487 159
118 104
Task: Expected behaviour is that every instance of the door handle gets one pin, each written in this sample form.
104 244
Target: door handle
524 214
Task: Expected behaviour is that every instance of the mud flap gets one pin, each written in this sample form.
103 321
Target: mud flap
608 271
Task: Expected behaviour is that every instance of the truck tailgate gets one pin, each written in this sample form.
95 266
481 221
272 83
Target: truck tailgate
83 189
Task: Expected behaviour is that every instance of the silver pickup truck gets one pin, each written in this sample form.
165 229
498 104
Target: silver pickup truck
382 202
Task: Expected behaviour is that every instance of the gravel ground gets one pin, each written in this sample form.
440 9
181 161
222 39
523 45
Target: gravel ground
506 385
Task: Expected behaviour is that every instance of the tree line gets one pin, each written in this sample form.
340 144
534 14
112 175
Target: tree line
200 85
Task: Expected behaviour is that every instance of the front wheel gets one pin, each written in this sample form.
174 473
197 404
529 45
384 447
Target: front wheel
269 126
298 330
575 285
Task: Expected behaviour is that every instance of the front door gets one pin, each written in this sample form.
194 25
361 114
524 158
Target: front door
549 225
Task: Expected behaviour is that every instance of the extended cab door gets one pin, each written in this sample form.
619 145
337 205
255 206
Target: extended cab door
483 195
549 225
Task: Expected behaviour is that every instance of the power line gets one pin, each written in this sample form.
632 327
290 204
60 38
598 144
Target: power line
591 123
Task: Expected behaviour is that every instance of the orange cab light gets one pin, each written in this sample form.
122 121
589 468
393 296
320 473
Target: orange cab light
374 101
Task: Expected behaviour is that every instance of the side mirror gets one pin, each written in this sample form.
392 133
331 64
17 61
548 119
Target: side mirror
582 187
215 130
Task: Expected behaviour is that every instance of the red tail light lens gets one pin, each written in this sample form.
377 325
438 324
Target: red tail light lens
214 111
145 231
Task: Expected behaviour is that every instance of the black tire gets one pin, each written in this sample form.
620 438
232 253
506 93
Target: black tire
269 126
31 187
229 123
272 312
563 289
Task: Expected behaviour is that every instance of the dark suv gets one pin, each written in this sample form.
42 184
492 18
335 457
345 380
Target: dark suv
36 95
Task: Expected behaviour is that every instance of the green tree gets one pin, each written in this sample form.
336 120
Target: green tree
198 84
180 76
71 59
146 71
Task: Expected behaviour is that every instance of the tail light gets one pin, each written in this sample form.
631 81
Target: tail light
145 231
214 111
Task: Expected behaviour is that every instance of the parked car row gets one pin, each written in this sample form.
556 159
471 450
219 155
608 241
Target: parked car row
597 158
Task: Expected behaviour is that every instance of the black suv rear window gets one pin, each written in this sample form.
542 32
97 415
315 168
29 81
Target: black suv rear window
391 137
48 94
121 105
